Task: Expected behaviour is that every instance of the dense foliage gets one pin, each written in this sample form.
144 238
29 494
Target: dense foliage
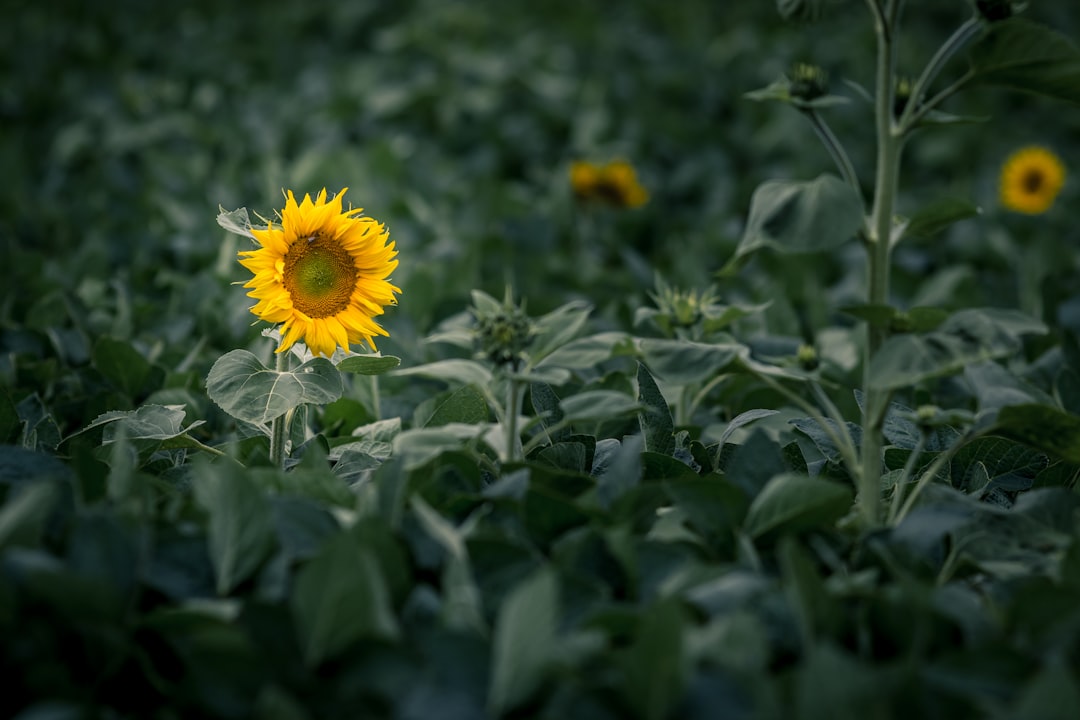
612 460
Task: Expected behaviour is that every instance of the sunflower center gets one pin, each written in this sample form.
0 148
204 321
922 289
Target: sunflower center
319 275
1032 181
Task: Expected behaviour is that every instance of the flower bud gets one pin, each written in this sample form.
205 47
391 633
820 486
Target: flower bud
808 82
807 357
504 335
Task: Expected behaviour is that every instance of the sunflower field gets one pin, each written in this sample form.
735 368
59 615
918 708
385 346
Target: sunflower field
431 360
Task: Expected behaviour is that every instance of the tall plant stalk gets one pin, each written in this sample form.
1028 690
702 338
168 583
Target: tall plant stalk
279 426
891 134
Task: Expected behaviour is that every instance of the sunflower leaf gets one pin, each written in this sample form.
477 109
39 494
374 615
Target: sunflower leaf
249 391
235 221
369 364
1023 55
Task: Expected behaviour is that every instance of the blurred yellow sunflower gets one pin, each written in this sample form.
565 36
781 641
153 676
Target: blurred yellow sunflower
615 183
322 274
1031 179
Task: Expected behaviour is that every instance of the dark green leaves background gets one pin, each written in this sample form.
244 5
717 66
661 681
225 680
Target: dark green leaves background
677 541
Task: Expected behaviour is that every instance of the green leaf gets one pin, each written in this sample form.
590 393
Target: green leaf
683 362
744 418
546 406
557 328
938 215
799 217
1042 427
656 668
967 337
249 391
418 446
122 365
23 517
369 364
588 352
524 642
1023 55
455 370
241 529
793 503
655 418
149 428
235 221
340 596
465 405
598 405
462 608
780 91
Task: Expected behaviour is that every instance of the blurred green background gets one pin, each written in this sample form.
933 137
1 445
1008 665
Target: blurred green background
125 127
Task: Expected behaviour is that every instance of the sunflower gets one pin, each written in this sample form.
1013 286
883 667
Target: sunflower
615 183
322 274
1030 180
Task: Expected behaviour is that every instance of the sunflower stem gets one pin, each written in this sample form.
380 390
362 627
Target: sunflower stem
279 426
510 419
890 144
376 398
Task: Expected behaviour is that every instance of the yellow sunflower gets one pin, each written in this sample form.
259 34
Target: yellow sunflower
615 183
322 274
1031 180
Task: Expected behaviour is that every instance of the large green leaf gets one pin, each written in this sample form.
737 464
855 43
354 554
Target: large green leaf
1042 427
249 391
454 370
149 428
339 597
241 529
792 503
655 418
939 215
799 217
655 667
682 361
466 404
589 351
524 642
369 364
967 337
1023 55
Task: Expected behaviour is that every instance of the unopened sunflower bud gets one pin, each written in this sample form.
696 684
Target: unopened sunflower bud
902 95
926 414
808 82
807 357
503 336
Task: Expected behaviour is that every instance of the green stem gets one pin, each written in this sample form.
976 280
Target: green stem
905 477
889 147
842 442
510 417
929 474
964 33
835 148
933 102
376 402
279 426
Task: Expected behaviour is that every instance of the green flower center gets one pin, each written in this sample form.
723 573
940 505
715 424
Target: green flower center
320 276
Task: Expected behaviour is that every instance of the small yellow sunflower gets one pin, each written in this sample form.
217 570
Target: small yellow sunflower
1031 180
322 274
615 183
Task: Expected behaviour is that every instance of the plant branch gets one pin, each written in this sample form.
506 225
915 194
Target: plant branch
948 49
835 148
927 107
843 443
